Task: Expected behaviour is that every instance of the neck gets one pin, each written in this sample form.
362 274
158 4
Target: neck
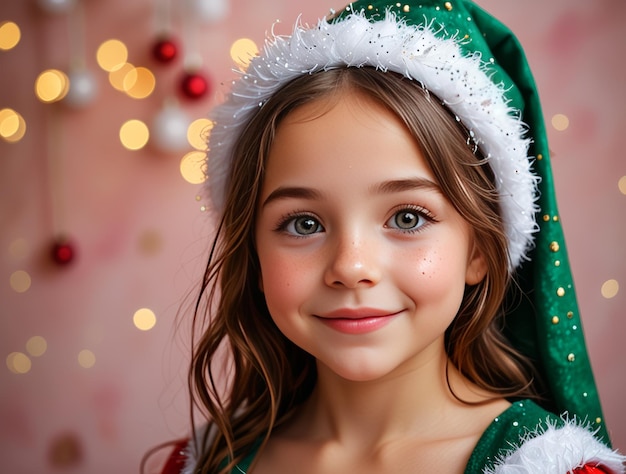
413 399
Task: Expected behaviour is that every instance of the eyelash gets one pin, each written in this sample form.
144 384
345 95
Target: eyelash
291 217
420 211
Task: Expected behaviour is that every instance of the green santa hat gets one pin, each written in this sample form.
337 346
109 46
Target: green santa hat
477 68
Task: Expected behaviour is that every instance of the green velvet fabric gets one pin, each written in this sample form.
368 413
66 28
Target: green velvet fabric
543 321
506 432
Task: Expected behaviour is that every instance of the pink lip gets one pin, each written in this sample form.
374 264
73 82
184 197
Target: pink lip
357 321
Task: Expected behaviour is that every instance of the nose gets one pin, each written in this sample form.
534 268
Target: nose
353 262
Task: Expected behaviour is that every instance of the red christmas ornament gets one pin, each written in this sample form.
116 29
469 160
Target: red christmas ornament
194 85
63 252
165 50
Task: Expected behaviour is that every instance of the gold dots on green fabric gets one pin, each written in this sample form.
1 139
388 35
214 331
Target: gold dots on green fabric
555 320
570 315
560 292
370 7
557 263
555 218
448 6
406 9
598 420
546 218
571 357
554 246
539 157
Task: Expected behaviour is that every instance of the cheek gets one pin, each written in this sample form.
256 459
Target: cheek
285 282
439 275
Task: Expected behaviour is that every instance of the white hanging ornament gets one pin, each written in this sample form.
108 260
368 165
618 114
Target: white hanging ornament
83 88
169 129
56 6
208 11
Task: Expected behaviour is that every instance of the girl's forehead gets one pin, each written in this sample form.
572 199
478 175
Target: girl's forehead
342 142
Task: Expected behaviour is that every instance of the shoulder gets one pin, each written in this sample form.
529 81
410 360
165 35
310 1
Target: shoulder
528 439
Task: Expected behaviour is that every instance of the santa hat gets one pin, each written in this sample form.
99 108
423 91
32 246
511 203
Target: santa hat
477 68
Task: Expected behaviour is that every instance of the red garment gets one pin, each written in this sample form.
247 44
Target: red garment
590 470
176 461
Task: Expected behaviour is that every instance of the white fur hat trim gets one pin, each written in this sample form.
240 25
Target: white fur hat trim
460 81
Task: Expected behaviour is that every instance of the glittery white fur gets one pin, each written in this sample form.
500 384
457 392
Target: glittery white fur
462 82
558 451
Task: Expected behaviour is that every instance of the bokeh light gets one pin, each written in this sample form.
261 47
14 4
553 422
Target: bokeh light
144 319
12 125
198 133
134 134
610 288
9 35
560 122
18 363
622 184
139 83
20 281
112 55
51 85
86 359
192 167
36 346
242 51
118 77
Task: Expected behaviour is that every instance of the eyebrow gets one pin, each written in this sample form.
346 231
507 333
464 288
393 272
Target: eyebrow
284 192
409 184
386 187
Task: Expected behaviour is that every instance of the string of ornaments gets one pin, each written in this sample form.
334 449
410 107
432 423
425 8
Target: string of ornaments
168 130
81 91
169 126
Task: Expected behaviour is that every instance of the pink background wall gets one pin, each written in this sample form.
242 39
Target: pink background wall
141 237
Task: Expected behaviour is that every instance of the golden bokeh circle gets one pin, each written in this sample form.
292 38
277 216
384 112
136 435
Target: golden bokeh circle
192 167
51 85
86 359
10 35
20 281
560 122
36 346
242 51
198 133
112 54
610 289
18 363
134 134
144 319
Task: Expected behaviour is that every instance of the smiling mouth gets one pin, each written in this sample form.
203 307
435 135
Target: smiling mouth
357 321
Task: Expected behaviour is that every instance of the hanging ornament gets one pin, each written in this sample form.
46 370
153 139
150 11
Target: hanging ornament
63 251
169 128
165 50
56 6
83 88
209 11
194 85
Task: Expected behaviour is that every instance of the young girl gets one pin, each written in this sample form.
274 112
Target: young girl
389 288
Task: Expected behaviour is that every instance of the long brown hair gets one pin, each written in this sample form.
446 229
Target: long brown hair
267 376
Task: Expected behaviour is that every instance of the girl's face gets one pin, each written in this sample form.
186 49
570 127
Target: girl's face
363 260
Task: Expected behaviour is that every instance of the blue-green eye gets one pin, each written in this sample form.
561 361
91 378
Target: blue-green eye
407 219
302 225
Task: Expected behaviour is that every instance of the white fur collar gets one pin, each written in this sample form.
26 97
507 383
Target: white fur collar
558 450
